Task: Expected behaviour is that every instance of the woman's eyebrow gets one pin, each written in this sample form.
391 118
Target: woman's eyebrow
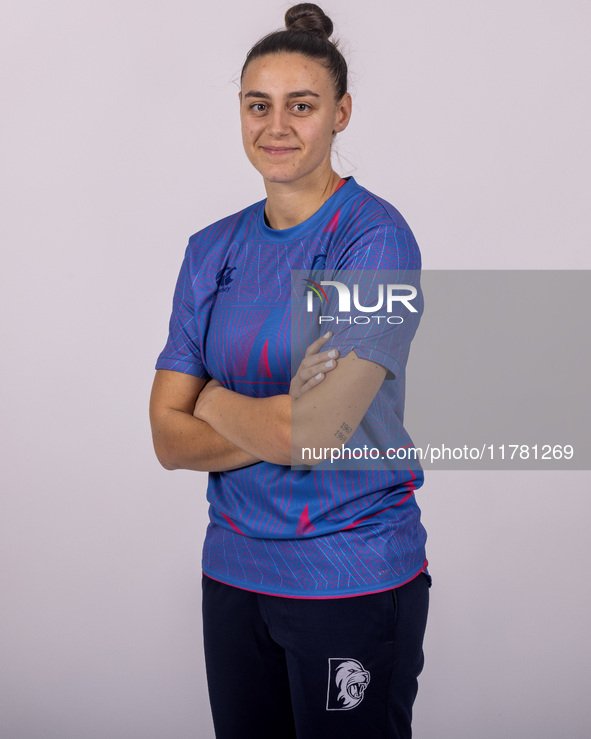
257 94
296 94
302 94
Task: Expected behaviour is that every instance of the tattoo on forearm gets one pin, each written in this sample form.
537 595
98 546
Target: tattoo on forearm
343 433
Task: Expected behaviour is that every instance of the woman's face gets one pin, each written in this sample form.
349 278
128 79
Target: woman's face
288 114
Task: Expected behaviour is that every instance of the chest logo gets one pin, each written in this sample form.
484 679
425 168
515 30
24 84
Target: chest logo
223 279
319 262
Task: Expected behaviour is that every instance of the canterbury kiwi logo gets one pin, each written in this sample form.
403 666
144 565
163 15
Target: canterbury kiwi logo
224 278
347 682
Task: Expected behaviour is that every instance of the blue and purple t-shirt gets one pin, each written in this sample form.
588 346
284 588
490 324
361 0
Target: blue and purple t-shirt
318 532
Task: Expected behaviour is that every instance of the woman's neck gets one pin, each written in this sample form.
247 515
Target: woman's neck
290 203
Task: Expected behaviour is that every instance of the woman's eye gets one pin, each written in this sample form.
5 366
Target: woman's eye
301 107
258 107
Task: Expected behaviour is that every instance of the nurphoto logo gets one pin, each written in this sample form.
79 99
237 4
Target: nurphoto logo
394 295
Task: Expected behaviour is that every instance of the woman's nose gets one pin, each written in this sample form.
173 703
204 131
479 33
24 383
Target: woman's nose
278 122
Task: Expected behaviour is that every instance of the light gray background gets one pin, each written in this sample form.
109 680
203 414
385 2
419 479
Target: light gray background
120 138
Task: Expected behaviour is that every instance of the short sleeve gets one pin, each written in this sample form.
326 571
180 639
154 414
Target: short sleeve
381 273
182 352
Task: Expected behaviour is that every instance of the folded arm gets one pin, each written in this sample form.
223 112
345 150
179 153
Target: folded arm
278 428
201 425
328 416
182 441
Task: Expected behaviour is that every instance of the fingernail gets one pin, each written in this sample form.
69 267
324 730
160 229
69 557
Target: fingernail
318 376
327 335
332 353
329 364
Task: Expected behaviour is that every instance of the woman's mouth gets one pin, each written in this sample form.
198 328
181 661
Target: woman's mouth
277 151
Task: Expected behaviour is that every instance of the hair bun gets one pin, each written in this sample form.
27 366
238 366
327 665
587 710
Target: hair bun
309 18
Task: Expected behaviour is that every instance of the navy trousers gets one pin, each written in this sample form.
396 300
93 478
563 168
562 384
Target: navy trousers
289 668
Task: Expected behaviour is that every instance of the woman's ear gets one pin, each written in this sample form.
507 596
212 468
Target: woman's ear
343 114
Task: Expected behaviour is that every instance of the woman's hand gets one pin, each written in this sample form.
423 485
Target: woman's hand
204 398
313 367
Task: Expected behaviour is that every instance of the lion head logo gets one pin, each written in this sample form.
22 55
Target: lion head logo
350 679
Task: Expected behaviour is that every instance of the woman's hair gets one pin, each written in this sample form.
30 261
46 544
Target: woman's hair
307 31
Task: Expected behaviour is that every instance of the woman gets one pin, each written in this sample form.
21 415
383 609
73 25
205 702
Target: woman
315 591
